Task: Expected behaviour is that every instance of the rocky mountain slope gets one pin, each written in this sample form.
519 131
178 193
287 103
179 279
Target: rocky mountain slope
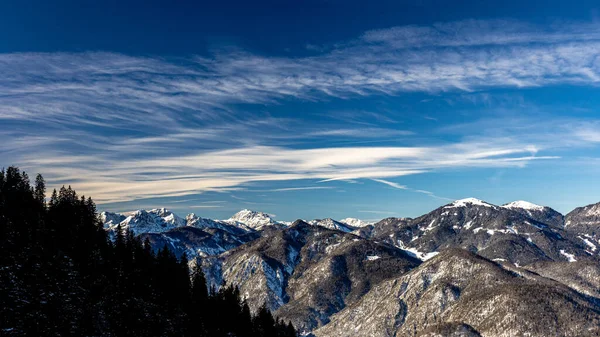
468 268
587 216
458 291
332 224
583 223
583 276
306 273
194 241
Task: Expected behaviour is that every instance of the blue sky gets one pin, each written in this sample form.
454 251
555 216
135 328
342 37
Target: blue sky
304 109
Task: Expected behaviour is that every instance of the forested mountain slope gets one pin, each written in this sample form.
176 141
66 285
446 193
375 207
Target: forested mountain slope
62 276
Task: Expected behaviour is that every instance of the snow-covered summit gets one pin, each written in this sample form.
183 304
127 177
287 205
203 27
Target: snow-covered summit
169 217
252 219
469 202
543 214
520 204
110 219
356 223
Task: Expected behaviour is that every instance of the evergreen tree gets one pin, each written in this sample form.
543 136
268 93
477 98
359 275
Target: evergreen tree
264 323
62 276
290 331
53 199
40 189
197 310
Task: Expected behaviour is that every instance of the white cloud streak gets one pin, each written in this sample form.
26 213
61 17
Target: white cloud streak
390 183
402 187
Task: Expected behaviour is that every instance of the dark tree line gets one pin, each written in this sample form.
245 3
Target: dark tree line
60 275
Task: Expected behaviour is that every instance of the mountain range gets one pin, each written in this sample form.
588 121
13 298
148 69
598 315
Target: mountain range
468 268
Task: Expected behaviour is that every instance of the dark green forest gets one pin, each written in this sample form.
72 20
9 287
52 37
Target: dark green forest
60 275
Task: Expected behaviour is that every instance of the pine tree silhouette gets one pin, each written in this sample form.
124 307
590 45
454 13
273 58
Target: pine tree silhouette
61 275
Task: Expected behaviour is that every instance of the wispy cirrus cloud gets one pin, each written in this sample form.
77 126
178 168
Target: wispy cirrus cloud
482 33
115 90
227 170
588 132
130 127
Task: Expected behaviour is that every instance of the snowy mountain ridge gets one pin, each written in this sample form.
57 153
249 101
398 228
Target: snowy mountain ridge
143 221
160 220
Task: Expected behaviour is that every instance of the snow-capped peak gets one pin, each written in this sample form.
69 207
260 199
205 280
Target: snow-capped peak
141 221
357 223
252 219
169 217
190 217
468 202
110 219
524 205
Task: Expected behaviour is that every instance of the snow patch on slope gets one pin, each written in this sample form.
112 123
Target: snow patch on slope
589 243
414 252
570 257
